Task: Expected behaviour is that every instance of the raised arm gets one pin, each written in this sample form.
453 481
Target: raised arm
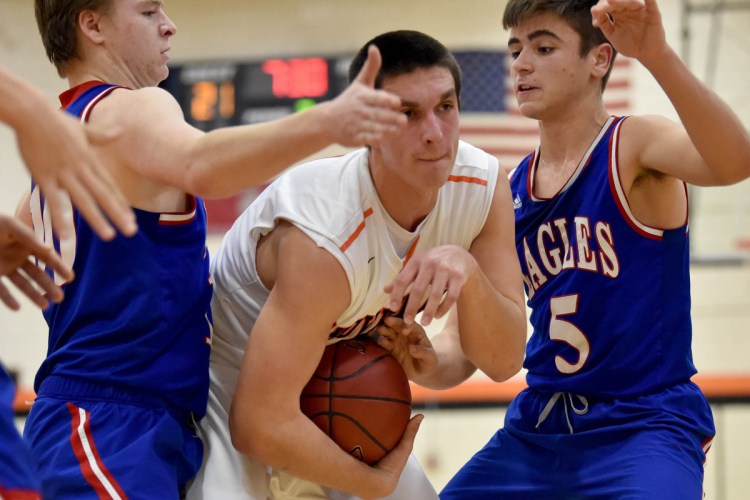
711 146
56 149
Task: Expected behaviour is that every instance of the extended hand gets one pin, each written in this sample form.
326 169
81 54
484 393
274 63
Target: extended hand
436 278
17 244
361 114
56 149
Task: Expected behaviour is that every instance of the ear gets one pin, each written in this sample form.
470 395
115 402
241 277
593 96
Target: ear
89 24
603 55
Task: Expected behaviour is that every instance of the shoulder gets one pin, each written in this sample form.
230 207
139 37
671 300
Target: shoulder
472 156
133 103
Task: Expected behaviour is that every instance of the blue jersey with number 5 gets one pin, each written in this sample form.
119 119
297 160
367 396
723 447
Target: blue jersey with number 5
610 296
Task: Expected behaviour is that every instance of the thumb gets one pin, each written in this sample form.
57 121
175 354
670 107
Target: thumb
369 71
410 432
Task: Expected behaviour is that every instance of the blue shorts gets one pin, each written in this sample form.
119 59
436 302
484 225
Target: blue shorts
18 474
91 449
647 447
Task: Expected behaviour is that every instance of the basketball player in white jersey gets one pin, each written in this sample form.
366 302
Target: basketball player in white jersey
416 221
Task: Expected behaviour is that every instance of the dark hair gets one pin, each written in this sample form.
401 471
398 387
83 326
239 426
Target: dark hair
56 20
405 51
577 13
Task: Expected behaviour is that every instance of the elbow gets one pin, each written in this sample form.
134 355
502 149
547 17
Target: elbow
249 438
199 181
501 372
505 359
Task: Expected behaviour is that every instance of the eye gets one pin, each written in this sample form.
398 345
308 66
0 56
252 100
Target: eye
545 50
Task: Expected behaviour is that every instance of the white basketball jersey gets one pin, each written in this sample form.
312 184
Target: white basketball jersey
334 202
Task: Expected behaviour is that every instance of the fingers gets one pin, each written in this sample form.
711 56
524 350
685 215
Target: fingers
95 195
99 192
60 209
8 299
26 239
25 285
369 72
43 280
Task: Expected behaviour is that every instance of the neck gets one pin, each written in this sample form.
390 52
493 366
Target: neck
563 142
406 205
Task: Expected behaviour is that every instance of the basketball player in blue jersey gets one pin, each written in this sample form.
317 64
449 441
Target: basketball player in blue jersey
126 372
601 233
328 251
56 151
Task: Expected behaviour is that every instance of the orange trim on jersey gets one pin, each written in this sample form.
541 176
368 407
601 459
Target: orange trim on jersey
412 248
92 467
357 231
465 178
15 494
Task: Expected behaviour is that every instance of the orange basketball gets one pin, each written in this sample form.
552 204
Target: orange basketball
360 397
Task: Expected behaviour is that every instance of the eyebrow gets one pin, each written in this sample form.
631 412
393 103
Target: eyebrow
535 34
446 95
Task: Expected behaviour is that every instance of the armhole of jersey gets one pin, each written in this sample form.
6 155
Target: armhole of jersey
90 106
618 193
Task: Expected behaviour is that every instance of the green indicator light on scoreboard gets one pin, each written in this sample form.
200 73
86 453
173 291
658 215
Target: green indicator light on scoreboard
303 104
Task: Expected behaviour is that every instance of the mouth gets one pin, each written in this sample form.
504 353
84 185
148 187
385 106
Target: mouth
432 159
522 87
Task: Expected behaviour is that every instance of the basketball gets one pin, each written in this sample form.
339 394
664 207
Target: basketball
360 397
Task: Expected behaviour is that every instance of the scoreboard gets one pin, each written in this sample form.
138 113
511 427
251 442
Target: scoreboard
220 93
216 94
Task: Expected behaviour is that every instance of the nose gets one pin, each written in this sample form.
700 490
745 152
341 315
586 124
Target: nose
168 28
431 129
520 63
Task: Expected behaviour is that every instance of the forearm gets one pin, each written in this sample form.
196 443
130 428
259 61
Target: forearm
492 329
452 365
297 446
226 160
715 130
20 103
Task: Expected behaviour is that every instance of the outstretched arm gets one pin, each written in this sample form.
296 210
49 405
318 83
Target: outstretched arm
17 246
57 151
159 145
714 145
